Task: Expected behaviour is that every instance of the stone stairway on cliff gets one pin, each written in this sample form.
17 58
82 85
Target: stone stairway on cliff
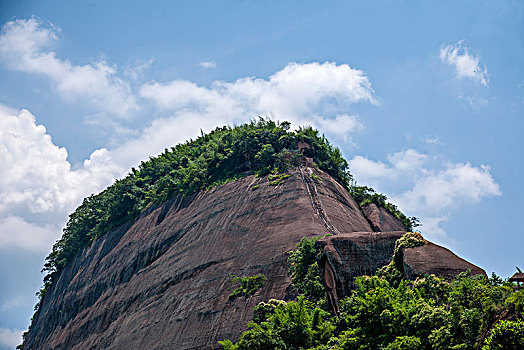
316 201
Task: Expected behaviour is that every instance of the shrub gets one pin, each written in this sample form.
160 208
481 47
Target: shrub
507 335
405 343
248 285
393 272
428 313
304 270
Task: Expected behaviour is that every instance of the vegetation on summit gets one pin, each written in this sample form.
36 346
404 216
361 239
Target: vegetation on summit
428 313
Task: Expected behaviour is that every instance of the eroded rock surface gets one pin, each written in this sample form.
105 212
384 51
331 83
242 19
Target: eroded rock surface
381 220
434 259
349 255
164 282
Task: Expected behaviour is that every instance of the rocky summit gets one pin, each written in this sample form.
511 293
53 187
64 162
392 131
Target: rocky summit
164 280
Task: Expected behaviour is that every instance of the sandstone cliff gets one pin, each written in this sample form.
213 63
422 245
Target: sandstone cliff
164 281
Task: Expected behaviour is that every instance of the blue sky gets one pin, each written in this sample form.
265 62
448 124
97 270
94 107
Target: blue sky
425 99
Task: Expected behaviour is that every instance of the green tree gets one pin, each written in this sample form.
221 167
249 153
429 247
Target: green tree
506 335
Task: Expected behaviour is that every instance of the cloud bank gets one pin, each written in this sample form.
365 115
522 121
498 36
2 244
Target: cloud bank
10 338
207 64
38 187
314 93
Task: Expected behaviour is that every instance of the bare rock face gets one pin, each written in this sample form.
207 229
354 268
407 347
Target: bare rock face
164 281
381 220
434 259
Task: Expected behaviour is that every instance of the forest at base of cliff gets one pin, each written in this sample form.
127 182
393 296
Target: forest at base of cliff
387 312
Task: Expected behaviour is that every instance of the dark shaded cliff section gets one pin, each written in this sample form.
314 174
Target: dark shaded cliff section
381 220
164 281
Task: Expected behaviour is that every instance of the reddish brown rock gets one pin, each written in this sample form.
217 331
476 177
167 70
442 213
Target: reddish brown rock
349 255
434 259
164 282
381 220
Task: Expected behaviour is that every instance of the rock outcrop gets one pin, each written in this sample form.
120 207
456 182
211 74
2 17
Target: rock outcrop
163 282
434 259
349 255
381 220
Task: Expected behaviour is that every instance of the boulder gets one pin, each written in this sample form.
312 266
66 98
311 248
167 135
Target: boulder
434 259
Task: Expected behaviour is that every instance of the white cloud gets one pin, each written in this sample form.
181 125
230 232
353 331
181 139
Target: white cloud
433 230
318 94
10 337
342 124
37 178
38 188
207 64
137 70
365 170
368 171
15 232
475 103
435 140
429 192
24 46
465 64
407 160
455 185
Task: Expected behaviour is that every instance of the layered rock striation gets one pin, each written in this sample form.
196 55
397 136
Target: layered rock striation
164 281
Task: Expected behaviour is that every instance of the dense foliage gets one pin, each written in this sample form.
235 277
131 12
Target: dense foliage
366 195
506 335
304 270
394 271
247 285
428 313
